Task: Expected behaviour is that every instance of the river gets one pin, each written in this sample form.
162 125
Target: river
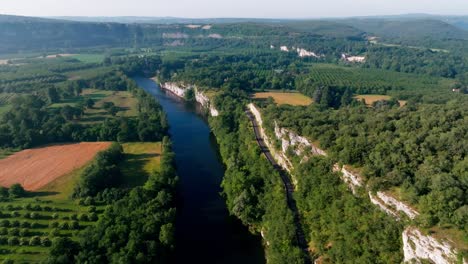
205 231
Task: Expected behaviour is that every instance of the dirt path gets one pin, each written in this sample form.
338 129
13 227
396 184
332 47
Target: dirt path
35 168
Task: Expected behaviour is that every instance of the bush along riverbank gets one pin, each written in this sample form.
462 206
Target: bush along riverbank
252 188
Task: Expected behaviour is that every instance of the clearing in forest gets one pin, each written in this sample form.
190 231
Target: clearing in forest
285 98
35 168
371 98
141 159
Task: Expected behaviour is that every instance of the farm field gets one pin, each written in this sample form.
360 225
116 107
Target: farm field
141 159
30 223
296 99
123 100
35 168
373 81
89 58
371 98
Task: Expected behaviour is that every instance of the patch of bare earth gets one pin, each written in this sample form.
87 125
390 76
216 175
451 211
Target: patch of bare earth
35 168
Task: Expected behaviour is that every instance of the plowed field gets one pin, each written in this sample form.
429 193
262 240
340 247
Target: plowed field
35 168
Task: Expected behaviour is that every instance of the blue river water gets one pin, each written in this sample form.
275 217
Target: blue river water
205 231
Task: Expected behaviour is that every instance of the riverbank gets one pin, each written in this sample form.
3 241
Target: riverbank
205 232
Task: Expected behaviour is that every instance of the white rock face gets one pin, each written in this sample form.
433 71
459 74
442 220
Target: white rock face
304 53
382 206
279 156
284 48
417 246
397 205
180 90
353 180
289 138
174 88
348 58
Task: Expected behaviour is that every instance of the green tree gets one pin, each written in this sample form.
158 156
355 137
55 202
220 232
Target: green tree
16 190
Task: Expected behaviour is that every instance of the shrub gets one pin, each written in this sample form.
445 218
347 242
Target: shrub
4 223
13 232
25 224
55 232
47 208
92 209
15 223
24 232
84 217
35 225
55 216
24 241
33 215
45 242
93 217
3 240
8 261
16 190
15 214
74 217
54 224
65 226
35 241
75 225
3 192
3 231
13 241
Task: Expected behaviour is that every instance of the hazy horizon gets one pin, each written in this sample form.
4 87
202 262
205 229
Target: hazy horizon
293 9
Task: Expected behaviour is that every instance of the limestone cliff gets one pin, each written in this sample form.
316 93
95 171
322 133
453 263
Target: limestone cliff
416 246
200 97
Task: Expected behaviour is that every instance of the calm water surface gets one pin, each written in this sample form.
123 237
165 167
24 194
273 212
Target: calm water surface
205 231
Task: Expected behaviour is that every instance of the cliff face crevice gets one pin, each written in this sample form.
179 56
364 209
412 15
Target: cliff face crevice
416 246
180 90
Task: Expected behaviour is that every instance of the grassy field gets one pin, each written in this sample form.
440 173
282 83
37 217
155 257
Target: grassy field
124 100
89 58
371 98
141 158
285 98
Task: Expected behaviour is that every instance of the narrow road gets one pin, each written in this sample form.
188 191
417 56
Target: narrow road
288 186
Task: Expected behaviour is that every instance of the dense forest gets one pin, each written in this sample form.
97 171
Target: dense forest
253 189
419 149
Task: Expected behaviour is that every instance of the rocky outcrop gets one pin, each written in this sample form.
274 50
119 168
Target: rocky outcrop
279 156
305 53
176 89
205 102
397 205
352 179
417 246
349 58
379 203
200 97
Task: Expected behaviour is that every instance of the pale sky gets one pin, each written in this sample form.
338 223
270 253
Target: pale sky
231 8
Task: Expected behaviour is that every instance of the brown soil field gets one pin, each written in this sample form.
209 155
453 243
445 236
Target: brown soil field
35 168
371 98
285 98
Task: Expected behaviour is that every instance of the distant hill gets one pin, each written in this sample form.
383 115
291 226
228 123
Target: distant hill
409 29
